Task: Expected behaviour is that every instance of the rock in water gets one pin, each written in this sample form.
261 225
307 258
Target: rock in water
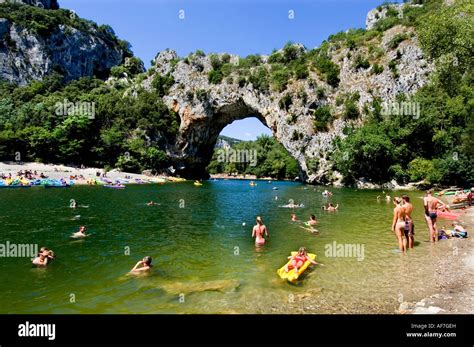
196 287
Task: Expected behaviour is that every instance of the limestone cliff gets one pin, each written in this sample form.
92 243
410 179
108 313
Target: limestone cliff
38 40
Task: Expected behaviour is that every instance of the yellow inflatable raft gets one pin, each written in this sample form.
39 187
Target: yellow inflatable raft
290 275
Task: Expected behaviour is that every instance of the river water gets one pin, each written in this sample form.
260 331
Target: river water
205 260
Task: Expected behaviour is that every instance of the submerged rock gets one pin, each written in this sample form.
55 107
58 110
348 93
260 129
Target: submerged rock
196 287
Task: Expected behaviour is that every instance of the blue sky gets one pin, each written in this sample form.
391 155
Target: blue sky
235 26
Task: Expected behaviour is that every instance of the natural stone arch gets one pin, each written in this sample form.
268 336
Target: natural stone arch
205 109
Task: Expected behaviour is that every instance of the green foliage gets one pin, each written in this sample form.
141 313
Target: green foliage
30 123
215 76
361 63
279 77
420 169
259 79
377 69
162 84
326 67
199 53
285 102
396 40
272 160
351 111
322 118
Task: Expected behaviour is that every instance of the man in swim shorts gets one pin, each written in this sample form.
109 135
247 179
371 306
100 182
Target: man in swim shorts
431 205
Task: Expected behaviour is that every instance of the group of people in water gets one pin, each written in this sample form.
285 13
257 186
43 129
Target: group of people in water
404 228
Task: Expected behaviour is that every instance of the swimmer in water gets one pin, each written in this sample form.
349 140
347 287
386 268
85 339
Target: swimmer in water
43 257
259 231
312 220
298 260
331 208
81 233
293 217
142 265
151 203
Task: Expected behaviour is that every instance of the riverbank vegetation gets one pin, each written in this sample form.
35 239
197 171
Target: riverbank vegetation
436 146
264 157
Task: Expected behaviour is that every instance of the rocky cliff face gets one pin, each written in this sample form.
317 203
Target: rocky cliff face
27 54
46 4
205 109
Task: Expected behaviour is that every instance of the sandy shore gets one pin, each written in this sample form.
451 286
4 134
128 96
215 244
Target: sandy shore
454 277
62 171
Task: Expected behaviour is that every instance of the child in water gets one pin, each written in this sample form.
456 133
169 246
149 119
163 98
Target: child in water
293 217
142 265
298 260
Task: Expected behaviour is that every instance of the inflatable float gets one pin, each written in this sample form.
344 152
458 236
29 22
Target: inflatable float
197 184
290 276
448 215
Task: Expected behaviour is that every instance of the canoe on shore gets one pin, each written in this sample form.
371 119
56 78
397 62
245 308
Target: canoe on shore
113 186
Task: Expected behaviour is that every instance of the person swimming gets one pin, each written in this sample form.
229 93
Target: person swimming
312 220
330 207
142 265
259 231
81 233
298 260
398 224
151 203
293 217
43 257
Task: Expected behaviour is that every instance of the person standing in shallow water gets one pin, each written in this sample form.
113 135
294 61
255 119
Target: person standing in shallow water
398 224
431 205
259 231
409 226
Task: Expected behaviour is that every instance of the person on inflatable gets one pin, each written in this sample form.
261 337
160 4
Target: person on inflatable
298 260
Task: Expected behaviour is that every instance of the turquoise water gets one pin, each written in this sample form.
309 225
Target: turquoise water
205 260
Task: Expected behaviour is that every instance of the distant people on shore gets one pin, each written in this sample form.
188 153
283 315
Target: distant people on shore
431 205
259 231
398 224
409 225
142 265
43 257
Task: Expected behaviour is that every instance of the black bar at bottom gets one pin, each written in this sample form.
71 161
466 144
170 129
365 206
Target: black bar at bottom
237 329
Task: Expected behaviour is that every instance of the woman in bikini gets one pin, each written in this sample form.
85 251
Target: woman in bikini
398 224
298 260
258 231
409 226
